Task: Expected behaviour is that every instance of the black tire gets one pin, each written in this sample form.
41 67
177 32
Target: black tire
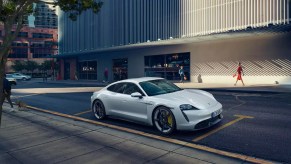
24 79
98 110
164 120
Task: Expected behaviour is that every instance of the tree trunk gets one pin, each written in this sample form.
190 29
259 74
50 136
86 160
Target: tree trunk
2 67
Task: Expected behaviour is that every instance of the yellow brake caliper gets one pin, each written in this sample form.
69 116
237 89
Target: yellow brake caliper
170 120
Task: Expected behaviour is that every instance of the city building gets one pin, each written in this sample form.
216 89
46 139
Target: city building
155 37
34 44
45 16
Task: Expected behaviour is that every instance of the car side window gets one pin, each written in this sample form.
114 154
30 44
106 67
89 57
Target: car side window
131 88
118 88
111 88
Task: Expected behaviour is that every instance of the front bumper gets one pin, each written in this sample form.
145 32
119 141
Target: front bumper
196 120
209 122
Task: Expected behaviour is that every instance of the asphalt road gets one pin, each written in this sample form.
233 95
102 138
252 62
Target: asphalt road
254 124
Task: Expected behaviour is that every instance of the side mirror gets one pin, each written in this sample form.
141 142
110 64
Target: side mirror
136 94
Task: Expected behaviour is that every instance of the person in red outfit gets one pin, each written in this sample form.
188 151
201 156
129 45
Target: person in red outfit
239 72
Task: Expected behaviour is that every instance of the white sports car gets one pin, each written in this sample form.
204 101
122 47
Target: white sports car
158 102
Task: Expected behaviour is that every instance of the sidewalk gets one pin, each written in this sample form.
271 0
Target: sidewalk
35 137
267 88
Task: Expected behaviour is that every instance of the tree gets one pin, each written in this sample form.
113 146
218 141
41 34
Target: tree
46 65
30 66
13 12
18 66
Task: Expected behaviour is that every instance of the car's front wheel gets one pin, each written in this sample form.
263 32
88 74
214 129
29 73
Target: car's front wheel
164 120
98 110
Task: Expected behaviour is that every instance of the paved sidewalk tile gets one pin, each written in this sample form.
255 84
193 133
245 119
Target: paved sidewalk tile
140 151
177 158
156 143
105 155
6 158
206 156
29 140
99 138
121 134
56 151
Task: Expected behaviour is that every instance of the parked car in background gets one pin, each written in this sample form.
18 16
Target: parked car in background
11 79
20 76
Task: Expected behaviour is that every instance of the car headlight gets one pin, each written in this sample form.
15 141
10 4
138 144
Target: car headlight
187 107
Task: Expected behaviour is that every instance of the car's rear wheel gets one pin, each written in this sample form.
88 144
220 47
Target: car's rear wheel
98 110
164 120
24 79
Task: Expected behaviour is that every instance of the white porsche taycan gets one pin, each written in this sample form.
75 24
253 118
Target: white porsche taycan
157 102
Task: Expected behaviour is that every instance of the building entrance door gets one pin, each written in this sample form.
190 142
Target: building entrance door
119 69
67 71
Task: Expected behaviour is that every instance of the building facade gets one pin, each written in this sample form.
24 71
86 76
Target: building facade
155 37
45 16
34 44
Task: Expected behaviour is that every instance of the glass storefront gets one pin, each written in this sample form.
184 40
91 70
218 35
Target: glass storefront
87 70
167 66
119 69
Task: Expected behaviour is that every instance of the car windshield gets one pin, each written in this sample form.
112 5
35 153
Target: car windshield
158 87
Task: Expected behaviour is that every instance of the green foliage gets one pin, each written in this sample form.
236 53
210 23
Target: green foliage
22 8
30 66
17 8
76 7
46 65
18 66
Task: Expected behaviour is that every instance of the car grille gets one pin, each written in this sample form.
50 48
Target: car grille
207 123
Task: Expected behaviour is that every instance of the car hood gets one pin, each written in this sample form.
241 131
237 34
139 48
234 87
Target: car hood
197 98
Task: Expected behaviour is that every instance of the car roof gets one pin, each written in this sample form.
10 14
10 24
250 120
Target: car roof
141 79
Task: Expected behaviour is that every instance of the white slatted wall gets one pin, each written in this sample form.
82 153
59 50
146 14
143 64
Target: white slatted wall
124 22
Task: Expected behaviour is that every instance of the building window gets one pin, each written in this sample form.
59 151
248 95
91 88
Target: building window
17 52
23 34
119 69
87 70
167 66
41 35
41 55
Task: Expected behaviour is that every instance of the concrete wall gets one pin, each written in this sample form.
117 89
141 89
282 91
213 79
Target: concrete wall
265 59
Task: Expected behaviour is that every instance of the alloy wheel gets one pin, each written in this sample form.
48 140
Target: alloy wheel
99 110
164 120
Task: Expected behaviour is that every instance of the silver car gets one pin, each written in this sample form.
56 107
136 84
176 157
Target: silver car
20 76
11 79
